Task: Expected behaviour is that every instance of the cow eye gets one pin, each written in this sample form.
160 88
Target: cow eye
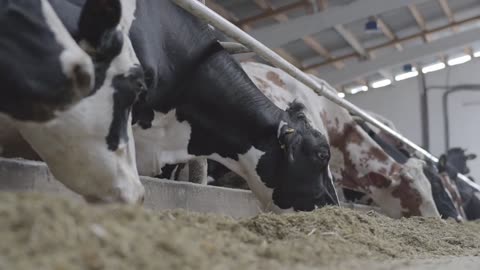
322 156
301 116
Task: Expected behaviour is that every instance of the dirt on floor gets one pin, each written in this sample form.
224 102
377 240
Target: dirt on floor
45 232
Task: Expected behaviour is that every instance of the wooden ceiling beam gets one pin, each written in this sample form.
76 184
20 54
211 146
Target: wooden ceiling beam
388 32
321 50
271 12
448 12
404 39
309 41
420 20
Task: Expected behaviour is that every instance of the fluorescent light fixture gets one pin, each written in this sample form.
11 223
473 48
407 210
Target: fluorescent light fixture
459 60
406 75
358 89
381 83
341 95
476 54
433 67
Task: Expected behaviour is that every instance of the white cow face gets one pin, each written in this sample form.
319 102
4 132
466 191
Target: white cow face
90 147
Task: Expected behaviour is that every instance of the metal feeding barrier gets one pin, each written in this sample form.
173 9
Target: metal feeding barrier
321 87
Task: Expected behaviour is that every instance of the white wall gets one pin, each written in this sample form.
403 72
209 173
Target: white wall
401 104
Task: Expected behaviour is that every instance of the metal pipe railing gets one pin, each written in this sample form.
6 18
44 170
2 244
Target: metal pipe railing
321 88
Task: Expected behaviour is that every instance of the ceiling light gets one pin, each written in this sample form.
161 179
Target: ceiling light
408 68
341 95
362 88
459 60
406 75
371 26
381 83
433 67
476 54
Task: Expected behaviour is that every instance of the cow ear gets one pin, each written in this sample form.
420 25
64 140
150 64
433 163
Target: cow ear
97 18
289 141
471 156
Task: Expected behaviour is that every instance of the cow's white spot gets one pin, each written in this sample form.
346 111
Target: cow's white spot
337 162
414 167
165 142
246 168
363 162
279 130
383 197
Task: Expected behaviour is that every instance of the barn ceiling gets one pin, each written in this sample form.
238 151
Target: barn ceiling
328 38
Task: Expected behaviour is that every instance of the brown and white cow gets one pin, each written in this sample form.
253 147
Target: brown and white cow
357 163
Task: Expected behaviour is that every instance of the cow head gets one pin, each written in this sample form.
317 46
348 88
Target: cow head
90 147
303 181
452 163
457 158
42 69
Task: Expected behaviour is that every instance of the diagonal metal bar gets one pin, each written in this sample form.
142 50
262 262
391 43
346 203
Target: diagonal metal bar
318 86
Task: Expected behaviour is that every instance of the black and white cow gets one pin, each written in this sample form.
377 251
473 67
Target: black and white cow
89 147
452 163
458 158
42 69
200 103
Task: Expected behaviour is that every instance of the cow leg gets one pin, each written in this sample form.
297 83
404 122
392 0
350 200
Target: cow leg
197 171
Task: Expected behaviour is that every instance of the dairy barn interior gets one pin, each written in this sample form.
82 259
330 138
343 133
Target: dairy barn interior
239 134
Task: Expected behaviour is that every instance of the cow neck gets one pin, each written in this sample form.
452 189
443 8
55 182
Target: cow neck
172 91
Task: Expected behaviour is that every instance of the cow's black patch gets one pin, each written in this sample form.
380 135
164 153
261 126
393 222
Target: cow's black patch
168 171
96 17
94 23
127 89
142 113
109 48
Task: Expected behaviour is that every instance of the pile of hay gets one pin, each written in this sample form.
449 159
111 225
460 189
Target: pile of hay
44 232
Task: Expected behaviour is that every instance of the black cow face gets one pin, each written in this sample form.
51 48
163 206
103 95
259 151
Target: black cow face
303 180
42 69
455 162
458 159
